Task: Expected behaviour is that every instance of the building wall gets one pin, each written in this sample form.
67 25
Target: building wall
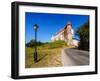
60 36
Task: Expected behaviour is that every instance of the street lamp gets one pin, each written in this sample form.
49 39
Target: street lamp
35 51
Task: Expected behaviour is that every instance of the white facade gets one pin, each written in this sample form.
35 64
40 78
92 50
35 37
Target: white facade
60 36
75 42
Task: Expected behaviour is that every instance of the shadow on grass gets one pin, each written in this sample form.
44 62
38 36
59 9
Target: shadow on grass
42 57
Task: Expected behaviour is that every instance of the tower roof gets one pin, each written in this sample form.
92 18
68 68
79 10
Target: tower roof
68 23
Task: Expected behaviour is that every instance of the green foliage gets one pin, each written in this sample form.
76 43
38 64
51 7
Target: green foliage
83 33
55 44
32 43
47 45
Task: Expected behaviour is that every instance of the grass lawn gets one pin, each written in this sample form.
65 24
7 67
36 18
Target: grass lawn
49 55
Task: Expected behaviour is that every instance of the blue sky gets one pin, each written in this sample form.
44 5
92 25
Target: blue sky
49 24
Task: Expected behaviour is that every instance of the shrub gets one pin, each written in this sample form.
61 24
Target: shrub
32 43
83 33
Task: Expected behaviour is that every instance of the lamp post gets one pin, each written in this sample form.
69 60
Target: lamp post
35 51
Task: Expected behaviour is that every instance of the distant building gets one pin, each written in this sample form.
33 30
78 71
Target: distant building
67 34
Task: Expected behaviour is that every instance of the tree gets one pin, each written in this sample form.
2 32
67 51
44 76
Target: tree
83 33
32 43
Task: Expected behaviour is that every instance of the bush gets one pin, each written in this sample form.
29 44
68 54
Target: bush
32 43
83 33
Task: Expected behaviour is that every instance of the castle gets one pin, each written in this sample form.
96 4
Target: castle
66 34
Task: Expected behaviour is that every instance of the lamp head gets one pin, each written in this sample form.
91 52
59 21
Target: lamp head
35 27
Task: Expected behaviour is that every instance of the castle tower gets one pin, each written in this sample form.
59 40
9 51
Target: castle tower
68 34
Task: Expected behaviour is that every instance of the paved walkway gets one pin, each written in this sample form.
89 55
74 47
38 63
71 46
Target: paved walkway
74 57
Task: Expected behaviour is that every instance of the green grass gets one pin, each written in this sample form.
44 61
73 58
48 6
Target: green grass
53 45
49 55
